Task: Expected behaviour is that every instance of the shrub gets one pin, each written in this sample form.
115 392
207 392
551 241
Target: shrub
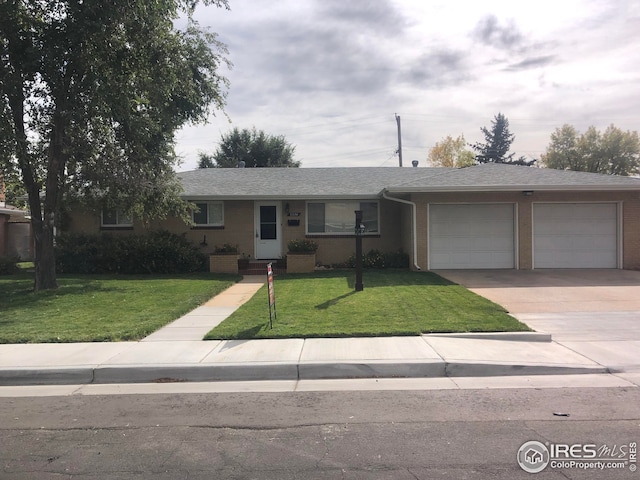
8 265
378 259
156 252
302 246
227 248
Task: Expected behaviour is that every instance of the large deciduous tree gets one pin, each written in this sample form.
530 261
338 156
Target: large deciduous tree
91 94
613 151
452 153
250 148
497 143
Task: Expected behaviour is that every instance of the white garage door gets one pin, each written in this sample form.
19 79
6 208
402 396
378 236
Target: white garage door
471 236
575 235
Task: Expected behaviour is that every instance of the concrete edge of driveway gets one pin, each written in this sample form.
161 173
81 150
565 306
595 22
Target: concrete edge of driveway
78 375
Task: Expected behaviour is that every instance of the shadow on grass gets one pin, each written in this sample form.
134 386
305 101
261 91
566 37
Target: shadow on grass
372 278
22 295
333 301
248 333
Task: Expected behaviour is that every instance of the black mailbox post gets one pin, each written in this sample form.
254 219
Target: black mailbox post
359 230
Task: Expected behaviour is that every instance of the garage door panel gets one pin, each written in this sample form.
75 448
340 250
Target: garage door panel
575 235
471 236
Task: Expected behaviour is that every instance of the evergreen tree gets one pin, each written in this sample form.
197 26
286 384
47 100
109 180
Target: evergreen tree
497 143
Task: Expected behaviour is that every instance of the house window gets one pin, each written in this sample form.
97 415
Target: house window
338 217
112 218
209 214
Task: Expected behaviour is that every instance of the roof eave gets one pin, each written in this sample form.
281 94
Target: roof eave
277 197
514 188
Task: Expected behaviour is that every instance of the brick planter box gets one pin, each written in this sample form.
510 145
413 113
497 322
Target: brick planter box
221 263
301 262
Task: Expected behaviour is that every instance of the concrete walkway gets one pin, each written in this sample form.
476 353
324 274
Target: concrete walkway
196 324
177 353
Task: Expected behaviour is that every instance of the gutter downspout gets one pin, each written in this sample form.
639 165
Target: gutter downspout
414 225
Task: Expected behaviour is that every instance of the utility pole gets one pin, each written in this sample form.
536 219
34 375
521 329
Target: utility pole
399 139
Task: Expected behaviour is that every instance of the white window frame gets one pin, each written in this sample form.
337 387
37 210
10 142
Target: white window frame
356 205
209 203
122 220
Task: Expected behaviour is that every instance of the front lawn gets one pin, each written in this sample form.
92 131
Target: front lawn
90 308
392 303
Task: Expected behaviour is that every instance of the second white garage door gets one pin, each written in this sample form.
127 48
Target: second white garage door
575 235
471 236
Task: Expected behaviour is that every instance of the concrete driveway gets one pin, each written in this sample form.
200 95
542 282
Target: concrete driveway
593 312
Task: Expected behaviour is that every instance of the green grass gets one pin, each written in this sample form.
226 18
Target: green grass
392 303
96 308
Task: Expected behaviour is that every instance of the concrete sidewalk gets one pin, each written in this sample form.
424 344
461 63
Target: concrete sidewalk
177 353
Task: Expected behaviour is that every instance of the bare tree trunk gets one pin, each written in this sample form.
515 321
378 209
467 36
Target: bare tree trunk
45 253
45 262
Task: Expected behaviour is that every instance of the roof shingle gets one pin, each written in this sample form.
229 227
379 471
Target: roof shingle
369 182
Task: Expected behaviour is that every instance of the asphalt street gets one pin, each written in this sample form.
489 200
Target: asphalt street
425 434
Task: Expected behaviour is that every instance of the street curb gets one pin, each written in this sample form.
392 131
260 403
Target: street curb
480 369
278 371
196 373
380 369
46 376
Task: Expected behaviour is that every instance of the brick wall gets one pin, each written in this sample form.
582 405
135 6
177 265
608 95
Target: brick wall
524 206
395 223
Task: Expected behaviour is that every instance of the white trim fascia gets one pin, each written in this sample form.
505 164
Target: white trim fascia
273 198
515 188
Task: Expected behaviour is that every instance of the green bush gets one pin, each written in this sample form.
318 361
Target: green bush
378 259
302 246
156 252
8 265
226 248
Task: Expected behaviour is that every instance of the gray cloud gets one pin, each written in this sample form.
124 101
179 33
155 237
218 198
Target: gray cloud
438 69
489 32
379 16
532 62
336 49
327 60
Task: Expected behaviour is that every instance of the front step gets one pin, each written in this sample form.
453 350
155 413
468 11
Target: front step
259 267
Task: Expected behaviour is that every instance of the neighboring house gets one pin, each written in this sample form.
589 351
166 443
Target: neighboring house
15 233
486 216
4 219
15 230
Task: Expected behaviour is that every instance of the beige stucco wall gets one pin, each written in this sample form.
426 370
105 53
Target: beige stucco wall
630 202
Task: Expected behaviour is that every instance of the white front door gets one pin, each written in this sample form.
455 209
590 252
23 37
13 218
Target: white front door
268 230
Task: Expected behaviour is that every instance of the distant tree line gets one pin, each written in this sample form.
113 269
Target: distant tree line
613 152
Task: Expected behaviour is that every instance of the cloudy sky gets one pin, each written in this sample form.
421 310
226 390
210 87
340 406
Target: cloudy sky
330 75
